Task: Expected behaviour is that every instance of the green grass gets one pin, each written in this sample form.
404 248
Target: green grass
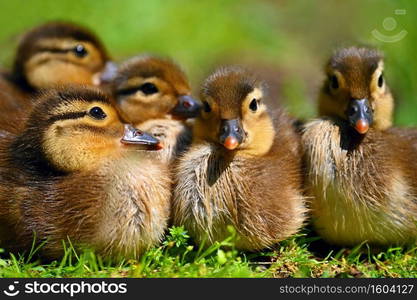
300 256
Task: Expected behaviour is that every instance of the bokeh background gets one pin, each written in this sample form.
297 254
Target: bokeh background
286 42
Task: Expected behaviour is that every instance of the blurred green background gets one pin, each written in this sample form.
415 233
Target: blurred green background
287 42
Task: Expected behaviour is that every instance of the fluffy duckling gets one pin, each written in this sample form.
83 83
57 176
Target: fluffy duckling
77 172
52 54
154 94
242 169
356 75
360 173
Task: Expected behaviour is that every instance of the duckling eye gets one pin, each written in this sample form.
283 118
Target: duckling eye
334 83
80 51
206 107
253 105
97 113
380 80
148 88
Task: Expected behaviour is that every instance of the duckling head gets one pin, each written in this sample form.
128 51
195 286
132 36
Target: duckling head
355 90
73 129
234 114
148 87
58 53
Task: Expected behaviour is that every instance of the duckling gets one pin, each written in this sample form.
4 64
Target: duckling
52 54
77 172
360 171
354 74
243 167
154 94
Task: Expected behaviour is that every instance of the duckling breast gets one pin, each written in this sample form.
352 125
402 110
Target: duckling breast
136 207
214 190
174 136
205 184
356 195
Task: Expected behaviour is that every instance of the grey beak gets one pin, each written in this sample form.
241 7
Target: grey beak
187 107
135 136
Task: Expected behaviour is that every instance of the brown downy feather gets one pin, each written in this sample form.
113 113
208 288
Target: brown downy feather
255 188
67 176
14 103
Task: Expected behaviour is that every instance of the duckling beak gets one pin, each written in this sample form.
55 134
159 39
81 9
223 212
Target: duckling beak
231 134
137 137
359 114
187 107
107 75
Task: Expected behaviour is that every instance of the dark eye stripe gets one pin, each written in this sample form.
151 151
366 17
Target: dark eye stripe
128 91
58 50
67 116
55 50
147 88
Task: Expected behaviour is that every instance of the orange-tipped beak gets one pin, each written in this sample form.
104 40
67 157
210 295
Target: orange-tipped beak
231 143
159 146
360 115
362 126
231 134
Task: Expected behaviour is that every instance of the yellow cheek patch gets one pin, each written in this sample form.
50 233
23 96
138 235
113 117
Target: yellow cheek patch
382 101
71 148
340 80
260 135
374 88
255 94
258 126
246 111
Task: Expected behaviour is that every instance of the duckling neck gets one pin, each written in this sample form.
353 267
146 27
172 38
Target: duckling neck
350 139
26 153
18 78
262 140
